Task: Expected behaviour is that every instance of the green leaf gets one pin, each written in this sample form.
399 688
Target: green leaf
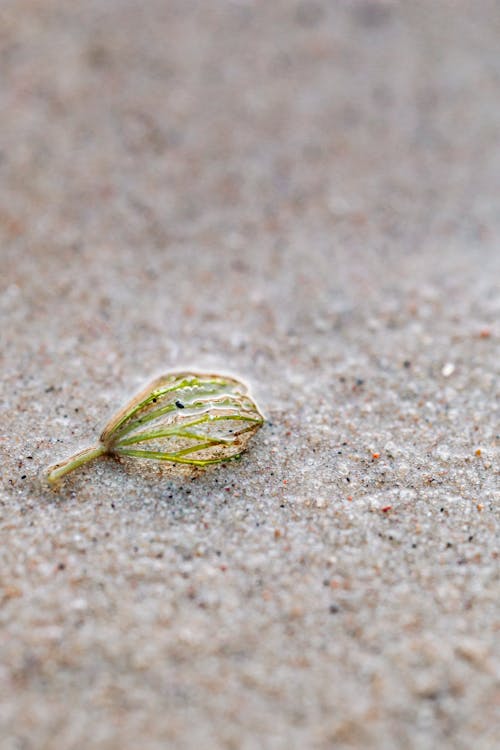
186 417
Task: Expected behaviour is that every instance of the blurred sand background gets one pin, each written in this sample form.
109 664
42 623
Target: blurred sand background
304 194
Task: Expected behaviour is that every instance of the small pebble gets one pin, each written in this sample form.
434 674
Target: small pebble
448 369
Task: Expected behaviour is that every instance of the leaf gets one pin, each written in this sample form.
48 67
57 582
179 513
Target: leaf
186 417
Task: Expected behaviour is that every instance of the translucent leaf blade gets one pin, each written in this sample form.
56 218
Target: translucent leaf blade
185 418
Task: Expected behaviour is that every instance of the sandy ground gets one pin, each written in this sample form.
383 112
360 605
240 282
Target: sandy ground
304 194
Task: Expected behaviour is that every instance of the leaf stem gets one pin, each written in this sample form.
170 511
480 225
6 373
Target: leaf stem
54 473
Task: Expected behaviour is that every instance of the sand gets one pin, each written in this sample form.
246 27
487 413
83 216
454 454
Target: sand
304 194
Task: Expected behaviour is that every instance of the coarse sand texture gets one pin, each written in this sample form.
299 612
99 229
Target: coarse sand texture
301 195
